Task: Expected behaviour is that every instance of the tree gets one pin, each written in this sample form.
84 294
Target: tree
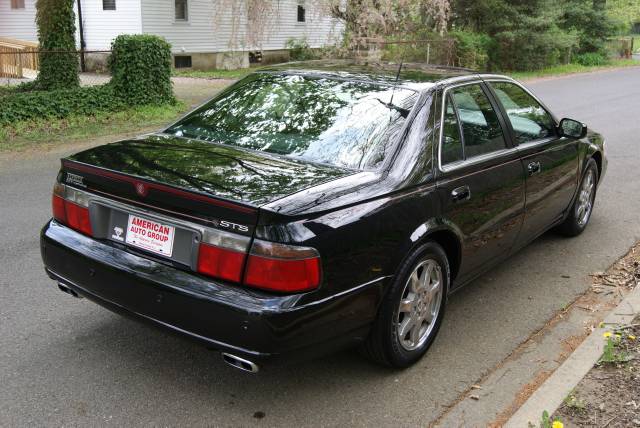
56 34
372 19
590 21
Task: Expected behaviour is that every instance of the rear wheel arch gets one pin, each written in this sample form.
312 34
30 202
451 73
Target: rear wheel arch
450 243
438 232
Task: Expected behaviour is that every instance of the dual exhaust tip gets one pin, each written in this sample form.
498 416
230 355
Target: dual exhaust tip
240 363
68 290
232 360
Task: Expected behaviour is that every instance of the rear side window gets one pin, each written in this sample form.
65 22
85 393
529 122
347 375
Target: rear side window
481 131
452 150
529 120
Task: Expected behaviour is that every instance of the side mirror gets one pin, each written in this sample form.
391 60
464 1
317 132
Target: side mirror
572 128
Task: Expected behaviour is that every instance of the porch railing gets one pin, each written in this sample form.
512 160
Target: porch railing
17 58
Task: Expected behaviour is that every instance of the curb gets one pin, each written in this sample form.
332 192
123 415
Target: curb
551 394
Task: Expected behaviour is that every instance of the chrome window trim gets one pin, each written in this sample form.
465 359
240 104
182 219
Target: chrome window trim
475 159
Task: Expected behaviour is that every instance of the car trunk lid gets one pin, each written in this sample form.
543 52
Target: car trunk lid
192 179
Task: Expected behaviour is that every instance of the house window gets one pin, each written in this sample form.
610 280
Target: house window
17 4
301 12
182 61
182 10
108 4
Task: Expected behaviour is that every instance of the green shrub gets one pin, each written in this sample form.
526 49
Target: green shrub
591 59
140 67
527 49
59 103
56 32
299 50
472 49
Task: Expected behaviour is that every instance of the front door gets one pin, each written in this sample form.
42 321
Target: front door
481 179
550 162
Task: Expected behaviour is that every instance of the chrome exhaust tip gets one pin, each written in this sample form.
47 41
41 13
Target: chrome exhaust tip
68 290
240 363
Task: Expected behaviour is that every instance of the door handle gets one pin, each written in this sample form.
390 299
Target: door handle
462 193
534 168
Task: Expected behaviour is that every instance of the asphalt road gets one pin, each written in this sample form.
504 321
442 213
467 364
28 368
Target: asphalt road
65 361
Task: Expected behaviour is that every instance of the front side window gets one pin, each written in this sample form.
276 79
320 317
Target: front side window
529 120
350 124
481 130
182 10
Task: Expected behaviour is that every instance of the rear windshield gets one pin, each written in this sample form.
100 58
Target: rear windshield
343 123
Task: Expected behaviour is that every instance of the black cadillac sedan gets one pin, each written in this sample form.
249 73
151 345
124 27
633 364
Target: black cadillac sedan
314 206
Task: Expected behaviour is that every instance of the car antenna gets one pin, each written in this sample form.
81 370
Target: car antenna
395 84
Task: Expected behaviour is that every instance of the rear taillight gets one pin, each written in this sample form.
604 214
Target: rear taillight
269 266
222 255
71 208
220 262
284 268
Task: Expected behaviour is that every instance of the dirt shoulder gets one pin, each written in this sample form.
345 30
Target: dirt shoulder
609 395
497 396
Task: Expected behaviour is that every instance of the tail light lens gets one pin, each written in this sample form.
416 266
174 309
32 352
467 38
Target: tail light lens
222 255
283 268
71 208
220 262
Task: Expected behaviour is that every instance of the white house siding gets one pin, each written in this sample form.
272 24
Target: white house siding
319 29
211 28
102 26
18 23
197 35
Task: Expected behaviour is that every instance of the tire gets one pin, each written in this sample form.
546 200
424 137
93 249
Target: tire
578 218
384 344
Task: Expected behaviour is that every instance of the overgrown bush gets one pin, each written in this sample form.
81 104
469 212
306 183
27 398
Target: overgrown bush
59 103
299 50
56 32
472 49
140 67
591 59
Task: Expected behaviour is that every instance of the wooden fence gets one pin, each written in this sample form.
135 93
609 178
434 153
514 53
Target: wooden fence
17 58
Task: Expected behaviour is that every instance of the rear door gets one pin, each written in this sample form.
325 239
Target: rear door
550 162
481 179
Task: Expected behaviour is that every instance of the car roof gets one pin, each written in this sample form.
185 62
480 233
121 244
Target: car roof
415 75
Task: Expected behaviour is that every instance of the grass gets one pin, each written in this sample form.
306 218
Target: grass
213 74
611 353
573 402
23 135
571 69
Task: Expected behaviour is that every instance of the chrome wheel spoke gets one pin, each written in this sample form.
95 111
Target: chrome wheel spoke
415 333
407 305
415 282
405 327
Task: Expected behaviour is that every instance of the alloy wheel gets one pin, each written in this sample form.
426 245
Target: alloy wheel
585 198
420 305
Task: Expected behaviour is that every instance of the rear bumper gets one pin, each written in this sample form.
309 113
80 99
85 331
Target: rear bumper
257 326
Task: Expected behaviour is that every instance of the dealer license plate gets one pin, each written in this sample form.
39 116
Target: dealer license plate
150 235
